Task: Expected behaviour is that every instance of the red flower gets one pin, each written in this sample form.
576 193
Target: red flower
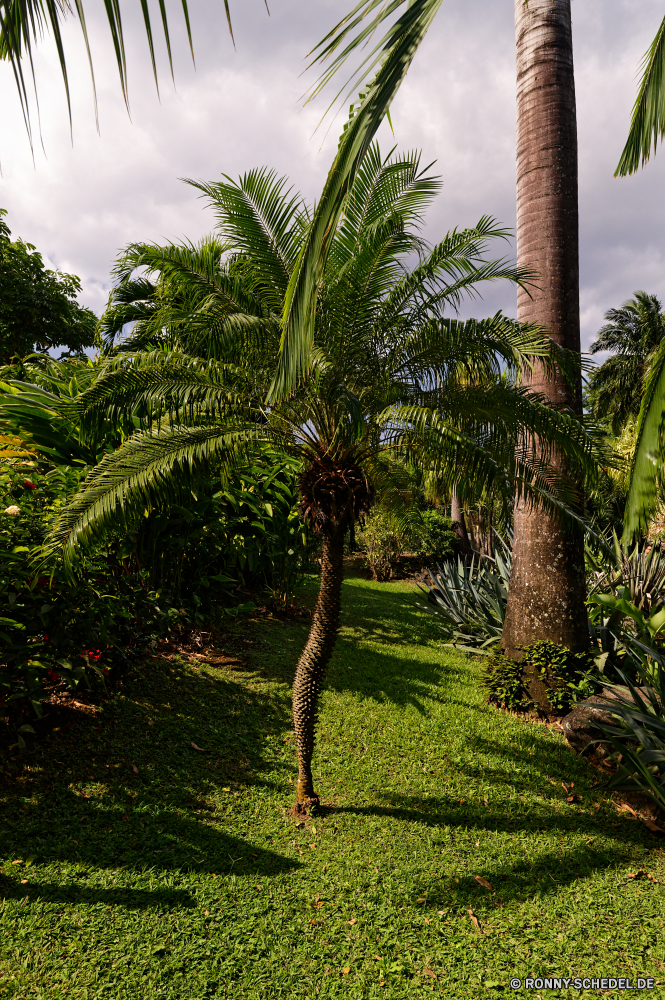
28 485
53 675
106 670
91 654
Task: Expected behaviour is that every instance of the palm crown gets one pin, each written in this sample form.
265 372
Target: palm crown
631 334
388 371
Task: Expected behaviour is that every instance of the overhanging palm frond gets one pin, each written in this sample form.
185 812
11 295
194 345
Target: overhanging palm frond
23 24
152 467
397 54
648 121
199 303
645 472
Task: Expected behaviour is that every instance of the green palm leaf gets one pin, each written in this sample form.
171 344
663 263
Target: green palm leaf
645 472
648 119
23 23
397 54
153 467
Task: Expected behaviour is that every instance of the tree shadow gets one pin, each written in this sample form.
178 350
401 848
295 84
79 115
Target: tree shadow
150 781
71 892
541 872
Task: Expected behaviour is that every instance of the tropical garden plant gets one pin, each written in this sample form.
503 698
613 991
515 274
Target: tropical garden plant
389 374
469 598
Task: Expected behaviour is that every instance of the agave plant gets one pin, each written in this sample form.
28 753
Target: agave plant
469 597
639 570
638 730
387 374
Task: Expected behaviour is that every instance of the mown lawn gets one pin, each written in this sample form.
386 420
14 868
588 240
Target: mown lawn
153 869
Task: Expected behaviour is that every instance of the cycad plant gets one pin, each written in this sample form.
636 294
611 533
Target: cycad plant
388 375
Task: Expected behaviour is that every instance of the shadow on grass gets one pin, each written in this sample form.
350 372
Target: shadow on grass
547 873
543 872
70 892
149 781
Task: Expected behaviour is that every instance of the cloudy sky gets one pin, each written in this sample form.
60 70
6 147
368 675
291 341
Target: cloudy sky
81 202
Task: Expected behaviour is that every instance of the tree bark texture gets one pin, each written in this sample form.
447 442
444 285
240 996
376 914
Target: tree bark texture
547 585
314 660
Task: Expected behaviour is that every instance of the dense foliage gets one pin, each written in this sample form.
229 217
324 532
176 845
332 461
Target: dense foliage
38 307
177 568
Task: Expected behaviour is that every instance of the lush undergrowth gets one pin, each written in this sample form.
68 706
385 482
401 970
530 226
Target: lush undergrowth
147 851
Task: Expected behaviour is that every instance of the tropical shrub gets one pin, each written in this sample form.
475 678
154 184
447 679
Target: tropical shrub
383 543
175 569
638 730
434 537
639 570
469 598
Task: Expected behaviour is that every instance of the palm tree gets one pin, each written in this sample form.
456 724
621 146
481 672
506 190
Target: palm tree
548 585
390 376
632 333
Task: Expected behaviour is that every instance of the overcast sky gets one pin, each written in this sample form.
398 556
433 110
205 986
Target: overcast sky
80 203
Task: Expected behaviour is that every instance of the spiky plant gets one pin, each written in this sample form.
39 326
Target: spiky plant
388 374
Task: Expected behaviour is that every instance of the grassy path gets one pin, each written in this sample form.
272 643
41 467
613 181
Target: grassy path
150 868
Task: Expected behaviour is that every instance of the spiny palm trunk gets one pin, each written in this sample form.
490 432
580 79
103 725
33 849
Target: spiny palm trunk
314 661
547 585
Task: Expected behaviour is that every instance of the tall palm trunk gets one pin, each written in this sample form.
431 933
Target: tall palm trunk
547 585
314 660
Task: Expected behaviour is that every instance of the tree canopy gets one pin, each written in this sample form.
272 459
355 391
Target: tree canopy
38 307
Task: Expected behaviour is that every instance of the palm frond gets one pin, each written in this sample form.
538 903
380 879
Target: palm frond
645 473
23 24
167 386
299 311
151 468
647 124
262 220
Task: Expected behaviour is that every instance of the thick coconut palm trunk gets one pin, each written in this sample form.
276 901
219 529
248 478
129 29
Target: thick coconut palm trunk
314 661
547 585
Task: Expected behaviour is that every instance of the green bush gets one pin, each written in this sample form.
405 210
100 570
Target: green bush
567 677
434 538
382 542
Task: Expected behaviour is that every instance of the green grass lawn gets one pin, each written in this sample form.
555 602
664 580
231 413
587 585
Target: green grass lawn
153 869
